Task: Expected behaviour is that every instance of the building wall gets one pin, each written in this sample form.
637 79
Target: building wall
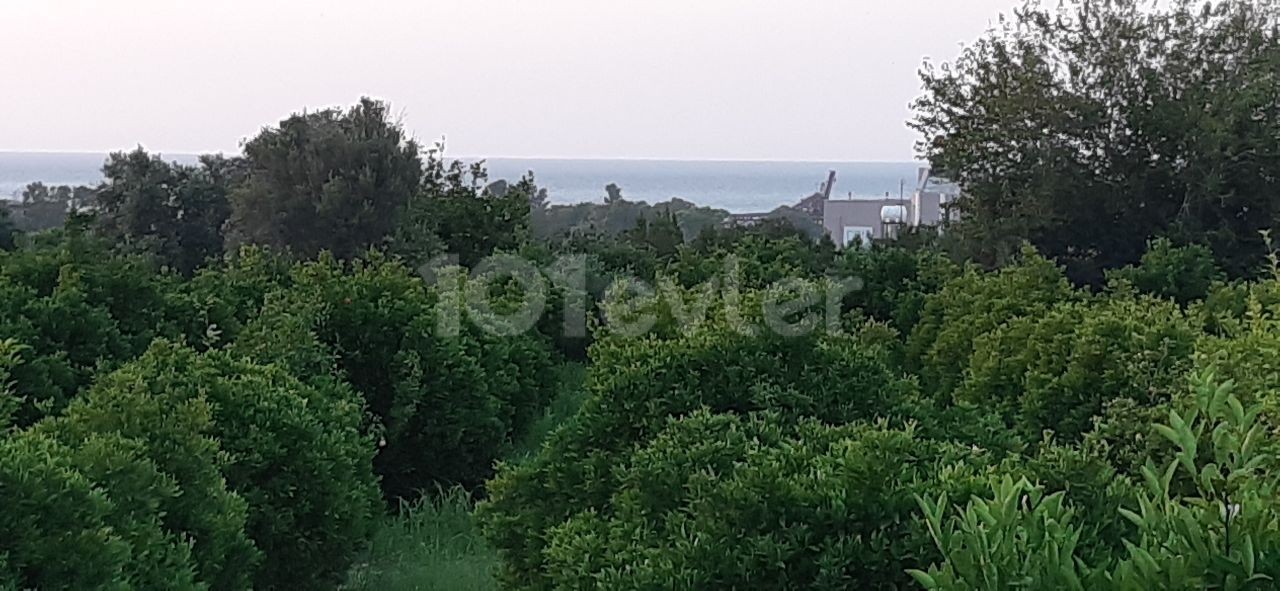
926 208
837 215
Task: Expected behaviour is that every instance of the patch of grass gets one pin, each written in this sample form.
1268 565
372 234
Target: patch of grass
434 544
430 545
568 398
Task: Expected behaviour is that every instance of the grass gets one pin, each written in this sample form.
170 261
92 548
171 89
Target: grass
430 545
434 543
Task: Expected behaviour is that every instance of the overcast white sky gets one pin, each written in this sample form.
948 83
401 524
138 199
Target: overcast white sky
685 79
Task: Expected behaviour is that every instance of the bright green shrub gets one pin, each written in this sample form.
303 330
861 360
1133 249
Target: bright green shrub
1224 534
175 431
224 297
720 501
636 385
294 452
1247 351
1055 371
1180 273
974 304
86 518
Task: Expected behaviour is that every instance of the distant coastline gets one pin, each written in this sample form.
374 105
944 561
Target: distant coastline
738 186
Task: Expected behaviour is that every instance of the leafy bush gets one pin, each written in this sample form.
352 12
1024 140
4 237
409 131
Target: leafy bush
894 281
1247 351
974 304
724 501
1055 371
1181 273
1223 534
636 385
294 453
175 431
445 406
79 309
87 518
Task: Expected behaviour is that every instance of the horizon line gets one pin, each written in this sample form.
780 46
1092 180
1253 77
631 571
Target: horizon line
505 157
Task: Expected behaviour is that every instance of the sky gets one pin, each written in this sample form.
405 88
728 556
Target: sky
677 79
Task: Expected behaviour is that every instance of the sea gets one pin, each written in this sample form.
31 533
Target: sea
738 186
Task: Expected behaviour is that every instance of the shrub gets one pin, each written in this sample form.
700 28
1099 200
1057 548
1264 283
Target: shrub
894 281
974 304
724 501
1180 273
636 385
1247 351
63 339
444 406
1222 534
87 518
79 309
436 408
1056 371
176 433
294 453
224 297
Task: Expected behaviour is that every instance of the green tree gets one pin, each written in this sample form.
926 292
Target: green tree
1090 127
457 213
329 180
173 211
8 230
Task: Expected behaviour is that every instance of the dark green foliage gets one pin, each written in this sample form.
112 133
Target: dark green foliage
227 296
445 406
892 282
43 207
718 501
293 452
766 253
79 309
8 230
327 180
637 385
1182 274
173 211
456 215
1090 126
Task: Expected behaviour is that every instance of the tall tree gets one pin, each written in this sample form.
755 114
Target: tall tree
8 231
174 211
459 213
1089 127
330 180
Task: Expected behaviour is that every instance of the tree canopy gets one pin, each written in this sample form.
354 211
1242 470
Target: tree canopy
1094 126
327 180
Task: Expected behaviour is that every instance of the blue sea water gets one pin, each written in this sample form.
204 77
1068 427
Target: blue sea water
737 186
